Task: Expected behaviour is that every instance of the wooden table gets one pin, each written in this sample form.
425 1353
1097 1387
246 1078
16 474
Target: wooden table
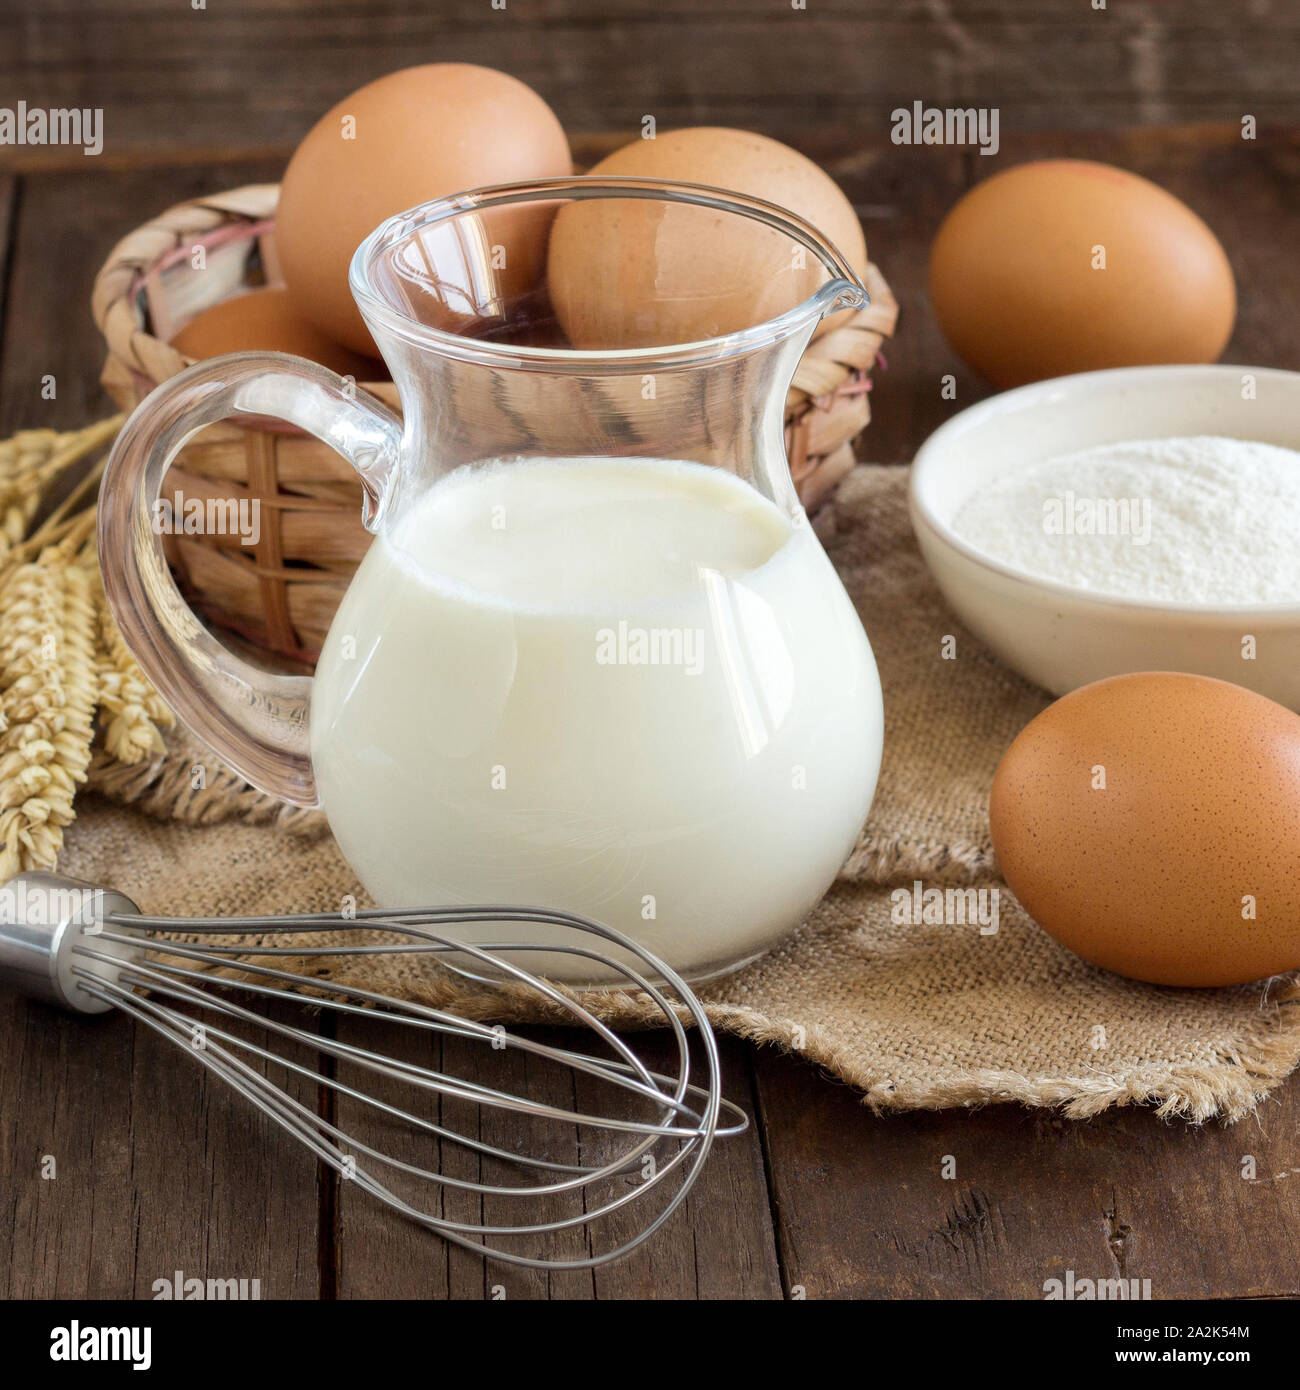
158 1170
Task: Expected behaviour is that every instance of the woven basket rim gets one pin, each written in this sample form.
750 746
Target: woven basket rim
281 599
248 212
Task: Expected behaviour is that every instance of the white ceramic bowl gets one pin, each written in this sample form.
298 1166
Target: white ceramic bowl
1061 637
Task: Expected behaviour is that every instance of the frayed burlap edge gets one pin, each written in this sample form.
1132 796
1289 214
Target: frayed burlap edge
1228 1079
884 861
188 784
1228 1088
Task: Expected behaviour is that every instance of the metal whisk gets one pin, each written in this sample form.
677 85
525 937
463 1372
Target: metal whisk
90 949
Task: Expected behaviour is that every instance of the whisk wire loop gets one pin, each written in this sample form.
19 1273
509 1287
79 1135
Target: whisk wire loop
172 979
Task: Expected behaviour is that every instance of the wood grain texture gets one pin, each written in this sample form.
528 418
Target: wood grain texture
901 196
66 1090
66 224
416 1264
1248 191
867 1211
245 76
219 1192
158 1169
719 1244
8 213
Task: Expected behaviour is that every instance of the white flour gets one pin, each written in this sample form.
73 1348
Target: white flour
1203 520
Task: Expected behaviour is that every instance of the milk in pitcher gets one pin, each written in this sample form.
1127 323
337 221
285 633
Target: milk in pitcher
632 689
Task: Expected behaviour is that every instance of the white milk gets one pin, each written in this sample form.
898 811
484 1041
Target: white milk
628 688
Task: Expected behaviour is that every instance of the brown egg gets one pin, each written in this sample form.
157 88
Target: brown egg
267 320
1151 823
417 134
1066 266
630 273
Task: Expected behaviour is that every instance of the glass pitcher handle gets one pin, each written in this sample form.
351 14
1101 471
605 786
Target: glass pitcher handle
256 722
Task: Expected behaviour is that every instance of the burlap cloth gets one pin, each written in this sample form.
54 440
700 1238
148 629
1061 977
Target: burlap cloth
916 1016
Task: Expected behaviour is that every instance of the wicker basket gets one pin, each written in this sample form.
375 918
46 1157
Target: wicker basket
281 594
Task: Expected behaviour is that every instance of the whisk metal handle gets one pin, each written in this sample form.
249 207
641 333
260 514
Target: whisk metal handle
42 916
89 949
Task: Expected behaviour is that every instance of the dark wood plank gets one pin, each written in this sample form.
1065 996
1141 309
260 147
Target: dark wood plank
1248 191
866 1211
379 1254
8 217
67 224
720 1244
901 196
862 1208
247 78
524 1075
218 1191
65 1089
157 1166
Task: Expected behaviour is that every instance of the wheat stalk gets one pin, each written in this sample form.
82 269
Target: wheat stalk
48 692
29 462
132 712
62 658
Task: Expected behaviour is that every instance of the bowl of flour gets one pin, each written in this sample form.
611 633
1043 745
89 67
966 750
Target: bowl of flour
1141 519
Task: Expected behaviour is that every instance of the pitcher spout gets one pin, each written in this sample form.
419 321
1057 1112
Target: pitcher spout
849 294
598 317
559 273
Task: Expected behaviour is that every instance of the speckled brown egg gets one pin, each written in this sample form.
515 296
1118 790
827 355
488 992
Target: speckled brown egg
410 136
267 320
635 273
1151 823
1063 265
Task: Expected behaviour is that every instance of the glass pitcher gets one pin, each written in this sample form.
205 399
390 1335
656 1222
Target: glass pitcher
595 658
